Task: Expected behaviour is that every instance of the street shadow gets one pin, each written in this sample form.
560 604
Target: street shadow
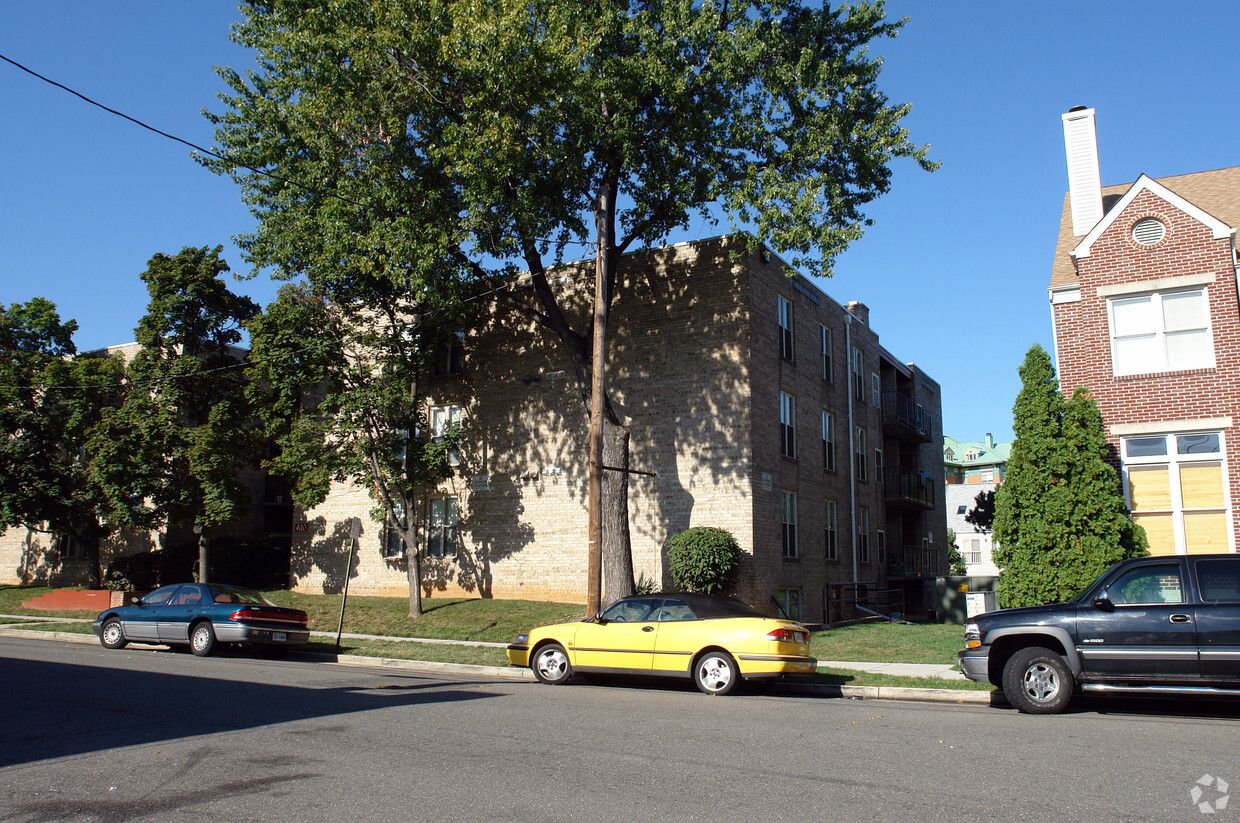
100 708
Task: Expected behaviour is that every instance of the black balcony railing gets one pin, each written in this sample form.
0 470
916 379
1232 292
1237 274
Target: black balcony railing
909 486
912 561
901 412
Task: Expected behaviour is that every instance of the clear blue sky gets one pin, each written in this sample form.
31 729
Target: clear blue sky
954 270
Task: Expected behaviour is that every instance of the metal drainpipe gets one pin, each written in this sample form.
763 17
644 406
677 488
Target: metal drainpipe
852 446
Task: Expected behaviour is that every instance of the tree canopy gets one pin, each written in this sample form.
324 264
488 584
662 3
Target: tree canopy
1060 517
440 143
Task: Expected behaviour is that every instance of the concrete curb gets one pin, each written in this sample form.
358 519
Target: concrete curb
958 696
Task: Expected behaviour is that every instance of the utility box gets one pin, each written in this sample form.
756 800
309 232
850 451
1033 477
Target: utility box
961 597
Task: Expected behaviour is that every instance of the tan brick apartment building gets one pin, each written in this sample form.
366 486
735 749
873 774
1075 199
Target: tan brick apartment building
1144 304
762 406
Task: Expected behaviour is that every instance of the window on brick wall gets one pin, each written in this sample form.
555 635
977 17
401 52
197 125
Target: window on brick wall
788 523
828 441
392 540
1176 486
441 533
876 390
790 603
1160 331
442 419
859 453
830 527
785 328
863 534
787 425
858 374
824 343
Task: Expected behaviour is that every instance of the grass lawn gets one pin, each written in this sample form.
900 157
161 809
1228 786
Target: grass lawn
890 643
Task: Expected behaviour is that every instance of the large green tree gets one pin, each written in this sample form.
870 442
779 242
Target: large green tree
171 454
1060 517
335 384
430 141
51 403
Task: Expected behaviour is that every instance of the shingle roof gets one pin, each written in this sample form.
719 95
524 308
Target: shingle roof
1216 192
995 454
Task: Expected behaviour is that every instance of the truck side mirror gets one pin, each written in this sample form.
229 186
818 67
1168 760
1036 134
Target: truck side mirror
1103 603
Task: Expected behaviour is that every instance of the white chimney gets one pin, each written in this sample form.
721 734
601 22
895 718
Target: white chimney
1084 183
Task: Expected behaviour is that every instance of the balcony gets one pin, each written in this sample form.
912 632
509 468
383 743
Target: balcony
912 562
908 487
904 416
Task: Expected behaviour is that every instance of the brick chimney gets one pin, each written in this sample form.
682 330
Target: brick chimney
1084 183
860 311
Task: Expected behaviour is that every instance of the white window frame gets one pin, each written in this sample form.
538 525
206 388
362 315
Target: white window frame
441 417
442 536
859 461
1173 459
830 529
828 441
824 343
876 389
858 372
1158 357
788 524
787 425
863 534
787 348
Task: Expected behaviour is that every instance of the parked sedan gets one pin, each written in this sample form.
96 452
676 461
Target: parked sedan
716 641
202 615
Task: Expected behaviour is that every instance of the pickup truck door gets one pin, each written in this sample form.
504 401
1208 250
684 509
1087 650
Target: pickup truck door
1218 616
1142 627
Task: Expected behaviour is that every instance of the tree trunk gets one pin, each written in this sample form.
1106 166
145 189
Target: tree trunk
204 558
617 557
413 567
94 571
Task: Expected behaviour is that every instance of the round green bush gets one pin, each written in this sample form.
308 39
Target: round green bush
704 559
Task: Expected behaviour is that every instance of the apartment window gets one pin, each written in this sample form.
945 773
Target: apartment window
787 425
1161 331
830 526
828 441
859 454
442 419
878 465
785 328
858 372
790 602
1176 485
824 343
788 519
863 534
450 356
880 541
68 548
972 551
441 531
876 390
392 541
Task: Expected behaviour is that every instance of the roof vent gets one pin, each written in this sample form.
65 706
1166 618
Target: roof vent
1149 231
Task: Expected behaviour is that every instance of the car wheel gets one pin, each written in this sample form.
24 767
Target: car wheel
715 672
112 637
202 639
1037 681
550 664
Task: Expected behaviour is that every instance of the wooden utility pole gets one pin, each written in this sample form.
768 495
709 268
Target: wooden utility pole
598 389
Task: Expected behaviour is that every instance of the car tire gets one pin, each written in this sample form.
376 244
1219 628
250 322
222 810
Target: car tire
1038 681
715 672
202 639
111 635
550 664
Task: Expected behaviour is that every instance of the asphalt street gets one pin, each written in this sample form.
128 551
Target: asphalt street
98 735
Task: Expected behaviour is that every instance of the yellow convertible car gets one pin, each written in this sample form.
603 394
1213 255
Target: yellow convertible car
717 641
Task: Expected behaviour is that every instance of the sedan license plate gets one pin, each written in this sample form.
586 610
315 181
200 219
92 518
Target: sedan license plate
279 636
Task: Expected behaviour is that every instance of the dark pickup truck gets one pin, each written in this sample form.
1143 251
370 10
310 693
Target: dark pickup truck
1150 625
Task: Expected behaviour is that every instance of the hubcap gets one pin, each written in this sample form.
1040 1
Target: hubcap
1041 682
551 664
200 638
715 673
111 633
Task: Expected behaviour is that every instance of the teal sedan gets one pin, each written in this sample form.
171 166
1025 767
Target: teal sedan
202 616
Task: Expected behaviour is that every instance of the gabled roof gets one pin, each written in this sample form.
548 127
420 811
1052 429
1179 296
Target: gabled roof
992 455
1209 195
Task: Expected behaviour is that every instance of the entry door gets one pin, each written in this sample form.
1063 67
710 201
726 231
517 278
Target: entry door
174 619
142 621
1149 630
622 640
1218 616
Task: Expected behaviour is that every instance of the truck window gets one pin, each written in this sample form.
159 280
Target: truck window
1219 580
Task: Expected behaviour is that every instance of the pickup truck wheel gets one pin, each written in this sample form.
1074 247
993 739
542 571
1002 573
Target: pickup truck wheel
1037 681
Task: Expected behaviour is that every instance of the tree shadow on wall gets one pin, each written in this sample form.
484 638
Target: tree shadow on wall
331 555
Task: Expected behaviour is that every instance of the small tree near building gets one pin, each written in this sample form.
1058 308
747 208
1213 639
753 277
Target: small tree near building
704 559
955 561
1060 518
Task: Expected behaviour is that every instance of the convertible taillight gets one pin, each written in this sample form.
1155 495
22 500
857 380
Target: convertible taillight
783 635
251 615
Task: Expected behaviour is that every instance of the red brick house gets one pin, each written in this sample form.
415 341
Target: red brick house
1144 306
